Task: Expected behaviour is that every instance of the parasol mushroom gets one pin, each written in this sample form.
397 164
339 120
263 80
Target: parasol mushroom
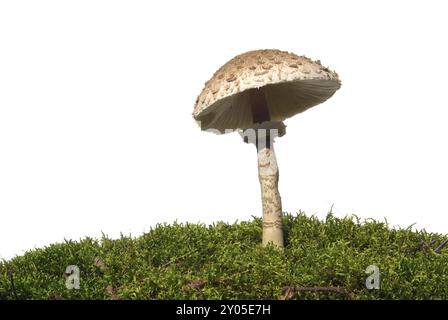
255 92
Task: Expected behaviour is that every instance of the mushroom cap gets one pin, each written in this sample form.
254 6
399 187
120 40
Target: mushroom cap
291 84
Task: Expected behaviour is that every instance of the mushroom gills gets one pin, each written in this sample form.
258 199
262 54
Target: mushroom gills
283 101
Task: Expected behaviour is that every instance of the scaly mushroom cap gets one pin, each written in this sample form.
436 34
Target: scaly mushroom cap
291 84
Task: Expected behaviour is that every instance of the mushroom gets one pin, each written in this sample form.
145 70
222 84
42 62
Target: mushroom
254 93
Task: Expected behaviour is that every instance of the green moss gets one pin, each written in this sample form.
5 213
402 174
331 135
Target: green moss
226 261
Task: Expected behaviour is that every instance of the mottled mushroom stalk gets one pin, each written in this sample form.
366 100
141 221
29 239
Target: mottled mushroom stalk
267 172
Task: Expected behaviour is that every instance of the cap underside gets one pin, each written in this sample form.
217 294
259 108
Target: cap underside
284 100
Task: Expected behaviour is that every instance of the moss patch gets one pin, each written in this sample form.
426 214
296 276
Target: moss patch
226 261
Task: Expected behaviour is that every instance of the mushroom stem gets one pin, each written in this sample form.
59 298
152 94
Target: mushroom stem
272 203
267 173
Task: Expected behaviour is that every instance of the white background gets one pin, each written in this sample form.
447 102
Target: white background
96 97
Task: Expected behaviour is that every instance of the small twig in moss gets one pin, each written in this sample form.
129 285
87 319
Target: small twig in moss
196 284
443 245
424 246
